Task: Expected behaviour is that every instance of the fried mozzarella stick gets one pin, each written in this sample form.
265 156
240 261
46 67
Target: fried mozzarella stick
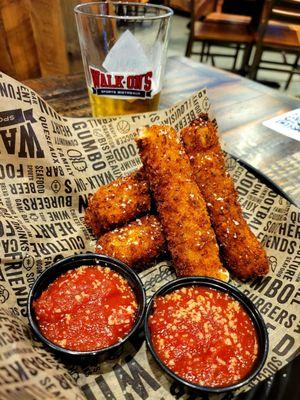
117 203
242 252
181 207
136 244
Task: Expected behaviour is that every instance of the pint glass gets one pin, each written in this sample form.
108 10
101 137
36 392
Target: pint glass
124 47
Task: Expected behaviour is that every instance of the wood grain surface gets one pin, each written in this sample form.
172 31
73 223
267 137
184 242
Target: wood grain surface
18 53
240 106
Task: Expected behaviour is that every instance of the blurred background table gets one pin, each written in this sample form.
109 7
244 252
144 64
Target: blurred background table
240 106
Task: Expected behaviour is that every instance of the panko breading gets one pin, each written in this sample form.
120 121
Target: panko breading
181 207
117 203
135 244
240 249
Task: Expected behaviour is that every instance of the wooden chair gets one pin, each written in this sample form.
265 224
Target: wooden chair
210 26
279 31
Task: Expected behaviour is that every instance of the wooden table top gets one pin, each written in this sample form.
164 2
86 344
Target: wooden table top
240 107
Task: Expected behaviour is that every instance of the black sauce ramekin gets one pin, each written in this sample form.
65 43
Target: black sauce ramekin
263 341
73 262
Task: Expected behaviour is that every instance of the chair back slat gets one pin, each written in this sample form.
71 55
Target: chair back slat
285 16
287 11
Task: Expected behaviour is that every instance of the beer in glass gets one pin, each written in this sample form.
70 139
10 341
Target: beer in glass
124 47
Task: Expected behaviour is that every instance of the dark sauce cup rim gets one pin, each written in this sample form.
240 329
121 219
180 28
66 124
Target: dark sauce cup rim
248 305
99 259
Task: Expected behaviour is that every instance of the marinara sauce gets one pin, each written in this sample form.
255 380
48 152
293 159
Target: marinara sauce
204 336
88 308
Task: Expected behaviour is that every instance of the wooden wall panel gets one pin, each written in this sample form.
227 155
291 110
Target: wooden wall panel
18 41
71 35
49 35
6 63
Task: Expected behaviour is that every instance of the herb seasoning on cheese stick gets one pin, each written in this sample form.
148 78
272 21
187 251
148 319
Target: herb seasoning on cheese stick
136 244
181 207
117 203
240 249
